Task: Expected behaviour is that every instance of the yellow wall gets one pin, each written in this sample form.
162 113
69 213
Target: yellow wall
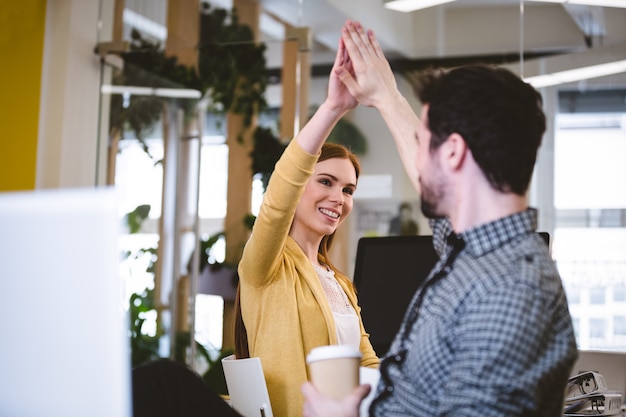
22 25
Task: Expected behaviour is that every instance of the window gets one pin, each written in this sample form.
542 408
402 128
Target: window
573 295
596 328
139 175
589 243
619 293
596 295
576 323
619 325
139 179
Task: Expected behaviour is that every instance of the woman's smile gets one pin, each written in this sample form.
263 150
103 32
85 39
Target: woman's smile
330 213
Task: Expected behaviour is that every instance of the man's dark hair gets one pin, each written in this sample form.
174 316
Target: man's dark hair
499 116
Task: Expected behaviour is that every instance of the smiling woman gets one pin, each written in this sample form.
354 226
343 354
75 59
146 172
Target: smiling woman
327 198
286 272
292 298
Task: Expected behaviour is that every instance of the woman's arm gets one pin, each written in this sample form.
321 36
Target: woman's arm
267 242
336 105
372 82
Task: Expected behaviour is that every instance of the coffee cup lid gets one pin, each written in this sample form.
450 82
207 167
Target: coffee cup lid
332 352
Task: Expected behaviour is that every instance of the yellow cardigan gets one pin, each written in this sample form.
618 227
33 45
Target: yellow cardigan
283 305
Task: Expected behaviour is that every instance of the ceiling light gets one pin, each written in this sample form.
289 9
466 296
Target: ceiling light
411 5
602 3
577 74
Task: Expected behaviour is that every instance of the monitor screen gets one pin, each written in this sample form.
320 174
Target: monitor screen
387 273
65 347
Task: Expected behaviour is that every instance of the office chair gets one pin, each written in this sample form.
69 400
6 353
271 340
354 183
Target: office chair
165 388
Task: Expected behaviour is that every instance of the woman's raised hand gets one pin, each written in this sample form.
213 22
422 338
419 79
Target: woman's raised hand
339 96
368 76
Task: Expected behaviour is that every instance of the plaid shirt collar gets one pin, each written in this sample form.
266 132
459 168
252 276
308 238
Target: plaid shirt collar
485 237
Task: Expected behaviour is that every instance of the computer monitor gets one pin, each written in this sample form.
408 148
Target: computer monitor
64 349
387 272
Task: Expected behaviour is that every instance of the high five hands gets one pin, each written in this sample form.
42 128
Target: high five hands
367 74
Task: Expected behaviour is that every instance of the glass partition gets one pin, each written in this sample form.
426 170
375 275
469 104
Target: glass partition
169 147
163 147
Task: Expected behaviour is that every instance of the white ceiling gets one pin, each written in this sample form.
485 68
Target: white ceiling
467 29
449 34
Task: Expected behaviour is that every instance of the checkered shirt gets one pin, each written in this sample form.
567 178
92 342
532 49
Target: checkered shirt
488 334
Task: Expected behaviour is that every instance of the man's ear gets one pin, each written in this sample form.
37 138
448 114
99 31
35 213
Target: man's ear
455 151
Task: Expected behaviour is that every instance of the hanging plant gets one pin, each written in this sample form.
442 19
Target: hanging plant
231 73
231 64
267 150
347 134
146 65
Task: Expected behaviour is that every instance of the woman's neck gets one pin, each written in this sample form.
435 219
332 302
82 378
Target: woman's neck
308 244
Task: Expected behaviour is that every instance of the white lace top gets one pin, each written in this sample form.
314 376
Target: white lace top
346 320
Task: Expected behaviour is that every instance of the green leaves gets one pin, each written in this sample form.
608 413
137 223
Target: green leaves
135 218
267 150
144 347
231 64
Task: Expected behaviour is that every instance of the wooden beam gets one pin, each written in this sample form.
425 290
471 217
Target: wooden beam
118 20
289 90
239 188
296 77
183 30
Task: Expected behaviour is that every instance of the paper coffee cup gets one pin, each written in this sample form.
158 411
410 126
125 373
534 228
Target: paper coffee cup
334 369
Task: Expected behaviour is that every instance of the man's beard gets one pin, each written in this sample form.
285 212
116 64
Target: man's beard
429 201
429 209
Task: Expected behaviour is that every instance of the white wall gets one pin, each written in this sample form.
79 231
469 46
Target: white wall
69 105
